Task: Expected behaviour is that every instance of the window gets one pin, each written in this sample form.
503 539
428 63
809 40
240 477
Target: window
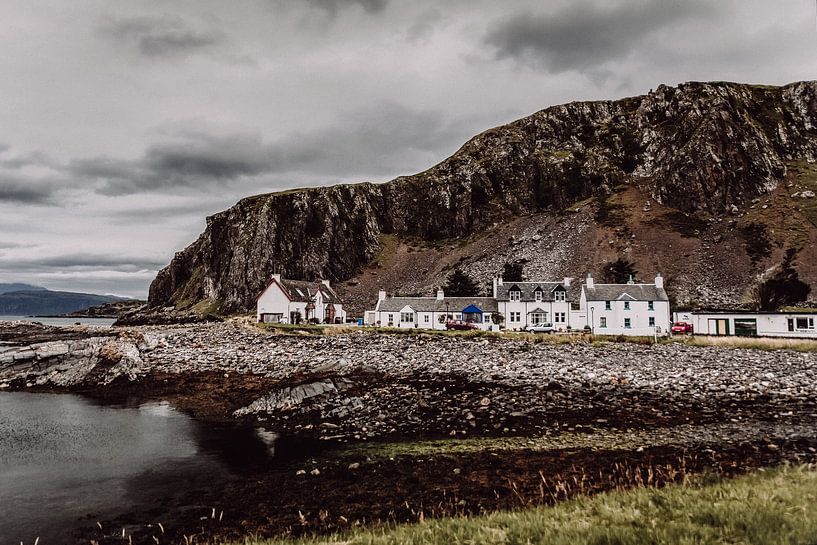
486 318
515 295
650 305
626 305
805 323
559 295
627 323
516 316
426 318
607 305
652 321
407 317
791 324
538 317
458 316
602 322
538 296
559 317
391 319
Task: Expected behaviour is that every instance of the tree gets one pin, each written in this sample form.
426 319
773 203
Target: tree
780 285
460 284
619 271
513 272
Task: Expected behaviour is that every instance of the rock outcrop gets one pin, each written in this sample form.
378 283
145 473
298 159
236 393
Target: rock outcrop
699 148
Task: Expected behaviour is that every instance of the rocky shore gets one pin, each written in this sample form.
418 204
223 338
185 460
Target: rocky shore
365 385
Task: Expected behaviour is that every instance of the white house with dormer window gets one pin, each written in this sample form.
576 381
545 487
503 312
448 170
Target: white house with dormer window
625 309
297 301
527 303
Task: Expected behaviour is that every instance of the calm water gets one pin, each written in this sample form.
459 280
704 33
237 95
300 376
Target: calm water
66 462
105 322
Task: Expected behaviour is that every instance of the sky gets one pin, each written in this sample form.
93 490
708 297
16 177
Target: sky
124 123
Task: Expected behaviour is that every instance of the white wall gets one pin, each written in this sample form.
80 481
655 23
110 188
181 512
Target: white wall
272 301
525 307
638 314
768 325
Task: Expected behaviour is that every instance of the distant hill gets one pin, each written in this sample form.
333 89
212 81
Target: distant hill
115 309
43 302
6 288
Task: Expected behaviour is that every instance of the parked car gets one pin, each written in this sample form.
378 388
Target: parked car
460 325
682 328
543 327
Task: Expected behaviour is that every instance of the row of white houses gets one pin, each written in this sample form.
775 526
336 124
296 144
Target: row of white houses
613 309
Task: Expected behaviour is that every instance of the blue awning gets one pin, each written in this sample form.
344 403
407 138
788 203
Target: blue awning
472 309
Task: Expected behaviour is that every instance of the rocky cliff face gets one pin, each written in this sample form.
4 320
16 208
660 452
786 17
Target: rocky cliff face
702 149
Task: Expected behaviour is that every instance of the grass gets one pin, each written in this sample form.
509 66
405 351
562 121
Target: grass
755 343
777 507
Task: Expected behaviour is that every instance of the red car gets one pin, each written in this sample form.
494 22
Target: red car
682 328
460 325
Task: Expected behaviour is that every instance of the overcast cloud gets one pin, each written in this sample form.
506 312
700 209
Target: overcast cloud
123 124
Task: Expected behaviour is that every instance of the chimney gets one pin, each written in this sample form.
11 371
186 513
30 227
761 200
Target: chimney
589 281
630 280
440 294
659 281
276 277
326 283
381 295
566 281
499 281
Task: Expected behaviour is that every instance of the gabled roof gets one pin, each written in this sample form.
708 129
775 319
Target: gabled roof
528 290
432 304
304 292
614 292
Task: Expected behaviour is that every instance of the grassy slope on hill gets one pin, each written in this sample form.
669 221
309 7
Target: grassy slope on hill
769 508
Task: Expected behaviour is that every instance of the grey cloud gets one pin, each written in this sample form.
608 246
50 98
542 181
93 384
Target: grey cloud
197 160
333 6
83 261
384 140
161 37
25 191
585 36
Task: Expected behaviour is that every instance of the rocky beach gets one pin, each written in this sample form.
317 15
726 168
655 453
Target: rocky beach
390 426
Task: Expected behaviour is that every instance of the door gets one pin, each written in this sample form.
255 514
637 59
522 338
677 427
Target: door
746 327
718 326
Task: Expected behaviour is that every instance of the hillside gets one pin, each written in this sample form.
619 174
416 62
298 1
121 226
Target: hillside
6 288
114 309
710 183
43 302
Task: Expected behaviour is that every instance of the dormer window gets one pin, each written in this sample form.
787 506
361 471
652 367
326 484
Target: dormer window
515 295
559 295
537 295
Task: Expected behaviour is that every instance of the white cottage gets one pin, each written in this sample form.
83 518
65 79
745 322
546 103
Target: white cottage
297 301
431 312
528 303
626 309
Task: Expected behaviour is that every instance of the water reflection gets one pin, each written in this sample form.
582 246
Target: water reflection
63 458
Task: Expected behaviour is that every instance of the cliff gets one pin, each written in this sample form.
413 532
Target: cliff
693 154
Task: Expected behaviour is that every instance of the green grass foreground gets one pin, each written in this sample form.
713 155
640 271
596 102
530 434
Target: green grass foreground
777 507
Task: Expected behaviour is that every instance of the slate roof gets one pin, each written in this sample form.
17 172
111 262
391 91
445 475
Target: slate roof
432 304
528 290
636 292
304 292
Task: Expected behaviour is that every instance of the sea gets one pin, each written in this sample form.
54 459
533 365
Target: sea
61 321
